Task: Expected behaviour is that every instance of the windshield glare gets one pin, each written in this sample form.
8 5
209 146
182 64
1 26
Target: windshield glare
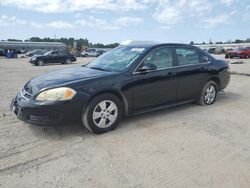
47 53
117 59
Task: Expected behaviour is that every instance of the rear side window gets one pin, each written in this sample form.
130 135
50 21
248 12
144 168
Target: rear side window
187 56
61 53
160 58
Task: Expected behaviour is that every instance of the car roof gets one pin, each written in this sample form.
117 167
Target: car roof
150 45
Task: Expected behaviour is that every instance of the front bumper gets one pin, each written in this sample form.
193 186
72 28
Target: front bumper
46 114
32 61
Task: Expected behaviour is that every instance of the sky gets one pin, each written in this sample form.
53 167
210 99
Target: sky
109 21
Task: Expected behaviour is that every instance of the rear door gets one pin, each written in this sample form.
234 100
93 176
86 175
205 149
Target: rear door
50 57
158 86
191 72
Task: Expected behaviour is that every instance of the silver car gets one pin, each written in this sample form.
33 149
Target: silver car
90 52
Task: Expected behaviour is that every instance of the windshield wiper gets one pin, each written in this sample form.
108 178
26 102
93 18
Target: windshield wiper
98 68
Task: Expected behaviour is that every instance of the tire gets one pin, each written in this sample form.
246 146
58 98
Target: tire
226 56
40 63
97 55
104 120
208 94
68 61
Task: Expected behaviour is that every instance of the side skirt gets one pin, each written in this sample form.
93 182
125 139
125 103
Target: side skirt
160 107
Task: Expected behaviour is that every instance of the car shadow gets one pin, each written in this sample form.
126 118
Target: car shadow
77 129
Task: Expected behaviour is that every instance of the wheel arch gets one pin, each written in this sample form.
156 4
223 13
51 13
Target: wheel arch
217 81
116 93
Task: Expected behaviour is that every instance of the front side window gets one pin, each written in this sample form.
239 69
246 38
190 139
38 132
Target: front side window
117 59
159 59
187 56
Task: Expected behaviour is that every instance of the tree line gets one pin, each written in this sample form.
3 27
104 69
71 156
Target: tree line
220 42
81 42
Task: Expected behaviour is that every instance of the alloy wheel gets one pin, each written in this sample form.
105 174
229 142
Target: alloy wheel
105 114
40 63
68 61
210 94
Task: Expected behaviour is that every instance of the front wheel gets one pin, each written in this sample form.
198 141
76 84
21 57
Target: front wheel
40 63
208 94
102 114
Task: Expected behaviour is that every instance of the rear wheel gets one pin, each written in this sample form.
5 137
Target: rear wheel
208 94
40 63
68 61
102 114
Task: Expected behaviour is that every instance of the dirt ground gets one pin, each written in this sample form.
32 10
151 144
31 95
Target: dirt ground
186 146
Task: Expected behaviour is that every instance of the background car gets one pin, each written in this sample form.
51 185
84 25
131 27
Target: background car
211 50
2 52
100 52
219 51
90 52
239 52
53 57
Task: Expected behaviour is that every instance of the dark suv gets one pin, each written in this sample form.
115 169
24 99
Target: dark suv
129 79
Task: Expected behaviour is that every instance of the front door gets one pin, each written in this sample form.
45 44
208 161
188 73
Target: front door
158 86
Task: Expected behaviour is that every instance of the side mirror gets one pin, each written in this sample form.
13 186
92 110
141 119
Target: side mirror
147 67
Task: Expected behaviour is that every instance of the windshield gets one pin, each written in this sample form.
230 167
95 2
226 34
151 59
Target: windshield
117 59
239 49
47 53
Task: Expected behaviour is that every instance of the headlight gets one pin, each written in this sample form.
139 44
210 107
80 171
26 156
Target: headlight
57 94
33 59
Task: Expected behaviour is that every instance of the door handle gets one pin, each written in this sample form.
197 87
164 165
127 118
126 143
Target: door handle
170 74
202 68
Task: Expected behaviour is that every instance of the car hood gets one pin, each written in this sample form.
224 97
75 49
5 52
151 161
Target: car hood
62 77
36 55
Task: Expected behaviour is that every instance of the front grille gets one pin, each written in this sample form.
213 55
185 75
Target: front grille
43 119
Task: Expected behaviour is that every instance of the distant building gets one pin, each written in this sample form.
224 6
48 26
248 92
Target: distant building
27 46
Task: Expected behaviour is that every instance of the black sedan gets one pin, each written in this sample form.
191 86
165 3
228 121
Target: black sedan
127 80
53 57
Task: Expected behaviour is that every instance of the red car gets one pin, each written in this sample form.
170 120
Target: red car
240 52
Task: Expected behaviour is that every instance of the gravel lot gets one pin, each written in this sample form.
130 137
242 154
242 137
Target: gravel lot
186 146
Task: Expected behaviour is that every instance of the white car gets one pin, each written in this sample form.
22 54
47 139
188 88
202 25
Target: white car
90 52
